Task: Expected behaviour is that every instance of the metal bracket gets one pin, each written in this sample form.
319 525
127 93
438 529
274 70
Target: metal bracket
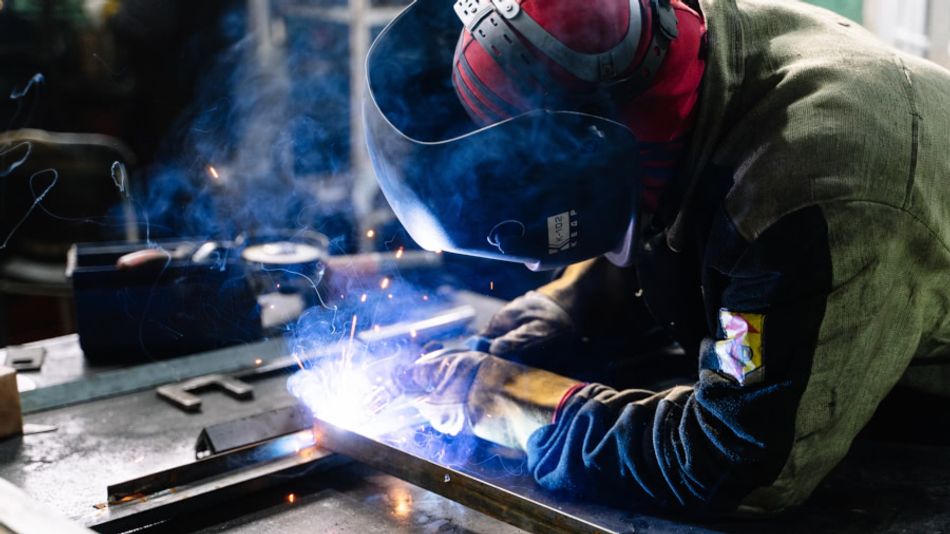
182 394
26 358
251 430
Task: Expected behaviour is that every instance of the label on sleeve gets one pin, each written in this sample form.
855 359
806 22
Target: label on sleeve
740 353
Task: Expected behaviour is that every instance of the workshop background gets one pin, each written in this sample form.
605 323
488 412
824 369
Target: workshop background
228 118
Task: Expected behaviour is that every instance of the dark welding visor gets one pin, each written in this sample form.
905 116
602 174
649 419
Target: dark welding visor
546 188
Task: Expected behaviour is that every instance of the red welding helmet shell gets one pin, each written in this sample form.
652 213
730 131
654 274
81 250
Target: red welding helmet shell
557 54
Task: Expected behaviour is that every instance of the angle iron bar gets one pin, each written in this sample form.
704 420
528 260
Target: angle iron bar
165 494
145 509
204 469
452 484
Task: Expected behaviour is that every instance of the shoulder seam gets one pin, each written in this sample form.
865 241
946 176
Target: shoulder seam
912 215
908 85
822 204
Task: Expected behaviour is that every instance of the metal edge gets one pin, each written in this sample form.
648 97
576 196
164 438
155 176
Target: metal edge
142 510
492 500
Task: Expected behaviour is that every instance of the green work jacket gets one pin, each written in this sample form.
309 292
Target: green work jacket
806 265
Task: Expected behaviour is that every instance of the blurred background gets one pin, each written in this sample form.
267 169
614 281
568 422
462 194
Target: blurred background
138 120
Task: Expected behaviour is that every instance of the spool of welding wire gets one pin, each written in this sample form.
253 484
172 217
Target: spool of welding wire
286 262
282 253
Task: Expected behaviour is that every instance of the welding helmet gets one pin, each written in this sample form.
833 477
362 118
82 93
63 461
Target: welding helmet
547 188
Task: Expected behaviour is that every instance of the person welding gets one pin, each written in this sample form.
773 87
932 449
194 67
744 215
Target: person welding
767 178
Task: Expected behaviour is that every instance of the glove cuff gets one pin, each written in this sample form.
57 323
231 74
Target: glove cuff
567 396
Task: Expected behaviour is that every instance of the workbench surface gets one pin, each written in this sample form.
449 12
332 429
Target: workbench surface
879 487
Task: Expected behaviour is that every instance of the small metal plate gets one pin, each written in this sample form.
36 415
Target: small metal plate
230 435
26 358
183 394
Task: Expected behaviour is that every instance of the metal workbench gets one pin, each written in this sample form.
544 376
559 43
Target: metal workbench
879 487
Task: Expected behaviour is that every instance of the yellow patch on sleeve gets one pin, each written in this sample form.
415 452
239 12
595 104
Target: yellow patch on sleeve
740 353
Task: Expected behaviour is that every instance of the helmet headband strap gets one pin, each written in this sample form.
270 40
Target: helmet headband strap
497 24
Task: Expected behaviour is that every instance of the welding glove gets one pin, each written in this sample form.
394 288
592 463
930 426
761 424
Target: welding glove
497 400
530 329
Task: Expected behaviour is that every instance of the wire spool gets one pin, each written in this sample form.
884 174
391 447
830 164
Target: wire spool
286 262
282 253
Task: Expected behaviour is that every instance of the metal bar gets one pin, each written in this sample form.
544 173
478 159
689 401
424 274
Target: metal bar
447 322
460 487
424 329
214 466
243 361
166 494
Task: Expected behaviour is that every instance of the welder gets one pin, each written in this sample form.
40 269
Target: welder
767 178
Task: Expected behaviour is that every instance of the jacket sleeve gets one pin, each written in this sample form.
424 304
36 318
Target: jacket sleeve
705 448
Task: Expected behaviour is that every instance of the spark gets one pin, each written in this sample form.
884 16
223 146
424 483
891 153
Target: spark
348 352
298 360
425 297
413 334
384 283
371 233
291 498
399 252
363 297
491 285
376 328
214 173
389 296
401 502
258 361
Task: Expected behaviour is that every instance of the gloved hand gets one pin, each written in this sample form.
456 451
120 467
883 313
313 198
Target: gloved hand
530 329
440 381
500 401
